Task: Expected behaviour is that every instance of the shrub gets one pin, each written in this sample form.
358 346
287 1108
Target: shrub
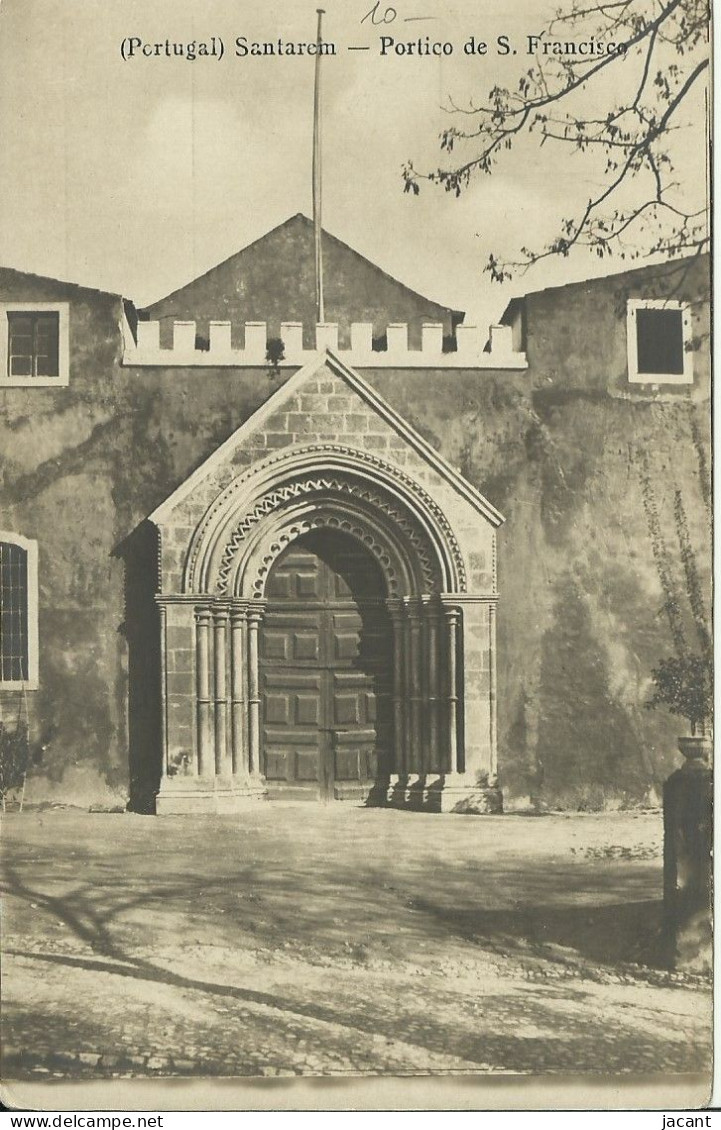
684 686
15 758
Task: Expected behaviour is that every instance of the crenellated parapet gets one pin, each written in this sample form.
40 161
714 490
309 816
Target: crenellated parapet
475 348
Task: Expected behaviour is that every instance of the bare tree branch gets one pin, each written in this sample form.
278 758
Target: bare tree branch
666 41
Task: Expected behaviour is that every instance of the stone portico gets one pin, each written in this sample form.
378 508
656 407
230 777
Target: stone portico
325 485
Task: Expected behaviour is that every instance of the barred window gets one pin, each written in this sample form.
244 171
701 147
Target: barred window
18 611
33 344
13 613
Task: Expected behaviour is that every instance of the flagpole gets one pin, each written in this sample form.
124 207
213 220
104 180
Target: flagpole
317 184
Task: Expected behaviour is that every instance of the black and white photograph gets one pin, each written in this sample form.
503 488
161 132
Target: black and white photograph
356 674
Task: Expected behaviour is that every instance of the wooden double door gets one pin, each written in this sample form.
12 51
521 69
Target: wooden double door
325 671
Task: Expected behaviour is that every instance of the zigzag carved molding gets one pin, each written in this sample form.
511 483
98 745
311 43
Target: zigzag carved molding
333 485
394 473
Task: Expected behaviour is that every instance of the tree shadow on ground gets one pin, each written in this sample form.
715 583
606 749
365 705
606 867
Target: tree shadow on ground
368 911
290 904
612 934
374 1019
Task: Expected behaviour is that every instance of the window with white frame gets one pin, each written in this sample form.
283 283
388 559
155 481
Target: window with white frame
18 611
659 342
34 344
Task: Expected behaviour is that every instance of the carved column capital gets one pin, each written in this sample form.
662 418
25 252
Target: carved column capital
255 614
414 609
238 612
452 613
394 604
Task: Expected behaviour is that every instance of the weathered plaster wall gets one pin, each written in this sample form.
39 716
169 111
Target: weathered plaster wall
576 335
587 481
597 480
58 485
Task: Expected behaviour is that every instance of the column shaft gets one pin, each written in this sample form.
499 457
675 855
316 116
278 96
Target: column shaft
453 616
396 612
416 657
424 657
238 690
163 620
407 696
254 620
202 668
220 635
435 763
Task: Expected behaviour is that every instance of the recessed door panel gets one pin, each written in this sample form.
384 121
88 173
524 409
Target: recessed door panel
277 709
346 709
306 645
306 766
307 710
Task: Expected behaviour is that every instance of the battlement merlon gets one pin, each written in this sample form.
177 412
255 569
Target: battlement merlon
187 351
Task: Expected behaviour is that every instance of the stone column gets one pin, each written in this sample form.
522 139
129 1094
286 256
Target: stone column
453 617
435 764
220 639
255 617
407 762
416 661
163 619
203 619
395 609
238 681
469 783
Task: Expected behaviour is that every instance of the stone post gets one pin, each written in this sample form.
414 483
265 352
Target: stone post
687 858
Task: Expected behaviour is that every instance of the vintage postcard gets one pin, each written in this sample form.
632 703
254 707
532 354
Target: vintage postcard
355 554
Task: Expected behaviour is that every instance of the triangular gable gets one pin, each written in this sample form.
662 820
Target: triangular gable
283 396
272 280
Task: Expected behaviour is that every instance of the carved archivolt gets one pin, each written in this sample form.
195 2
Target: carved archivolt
336 482
273 501
321 521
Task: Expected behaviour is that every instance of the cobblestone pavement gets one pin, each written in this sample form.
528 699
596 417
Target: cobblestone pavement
304 940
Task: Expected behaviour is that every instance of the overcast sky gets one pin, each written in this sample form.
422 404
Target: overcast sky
137 176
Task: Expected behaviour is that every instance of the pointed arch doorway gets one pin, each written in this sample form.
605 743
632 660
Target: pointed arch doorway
325 667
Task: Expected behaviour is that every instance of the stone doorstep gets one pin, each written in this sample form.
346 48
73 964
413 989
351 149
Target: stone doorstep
450 793
188 795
